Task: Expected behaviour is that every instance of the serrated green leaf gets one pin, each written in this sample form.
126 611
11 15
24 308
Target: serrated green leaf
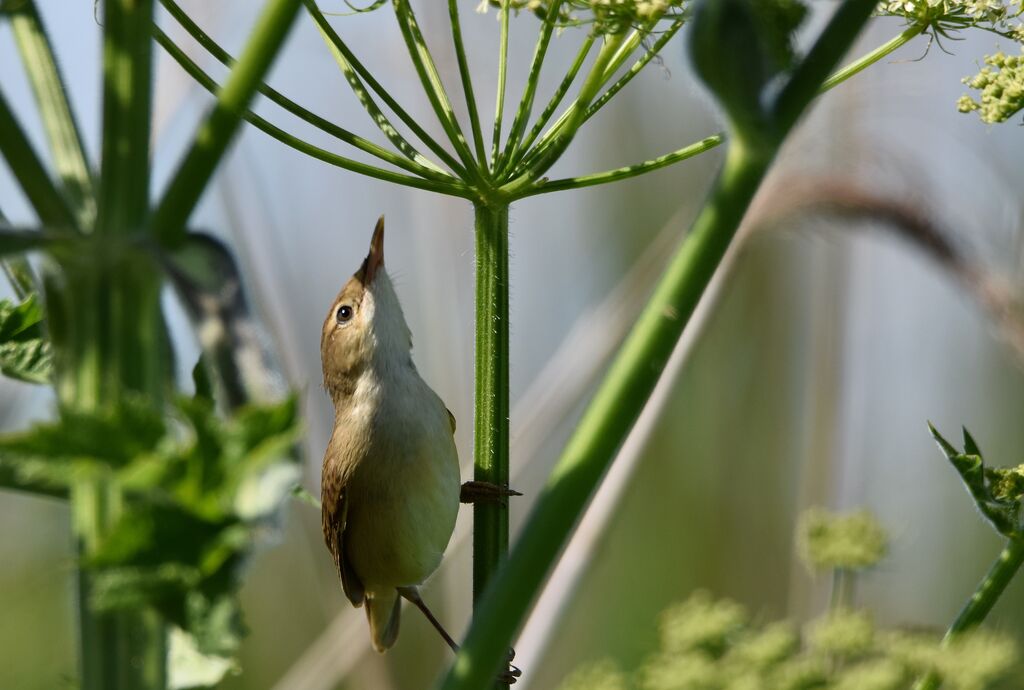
20 321
945 446
24 353
113 436
30 361
970 446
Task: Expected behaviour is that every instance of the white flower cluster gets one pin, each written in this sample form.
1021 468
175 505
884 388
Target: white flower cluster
1000 16
604 16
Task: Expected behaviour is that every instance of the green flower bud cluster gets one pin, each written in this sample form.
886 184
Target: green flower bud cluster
709 644
998 492
1001 86
847 542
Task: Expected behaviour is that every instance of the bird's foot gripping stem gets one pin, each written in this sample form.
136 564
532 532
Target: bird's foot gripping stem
486 492
511 675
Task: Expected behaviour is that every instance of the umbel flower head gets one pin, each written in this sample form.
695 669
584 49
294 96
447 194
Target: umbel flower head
849 542
1001 87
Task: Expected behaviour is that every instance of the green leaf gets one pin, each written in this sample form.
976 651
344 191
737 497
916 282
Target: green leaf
970 446
113 437
945 446
997 492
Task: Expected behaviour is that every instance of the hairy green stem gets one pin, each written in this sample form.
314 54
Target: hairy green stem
491 424
499 104
571 119
356 74
544 186
694 149
515 132
218 128
434 88
555 100
981 602
634 372
467 80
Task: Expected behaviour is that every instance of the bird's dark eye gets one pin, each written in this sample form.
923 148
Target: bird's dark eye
344 313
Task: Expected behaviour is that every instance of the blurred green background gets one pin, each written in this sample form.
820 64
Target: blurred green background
808 381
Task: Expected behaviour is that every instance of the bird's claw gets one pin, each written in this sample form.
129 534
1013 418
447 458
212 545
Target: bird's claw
513 673
486 492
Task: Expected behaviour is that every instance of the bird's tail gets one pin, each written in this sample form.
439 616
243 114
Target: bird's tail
383 610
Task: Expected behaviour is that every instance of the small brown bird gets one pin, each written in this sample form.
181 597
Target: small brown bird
390 485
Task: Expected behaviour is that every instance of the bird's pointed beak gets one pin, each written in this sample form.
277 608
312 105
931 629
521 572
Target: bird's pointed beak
375 259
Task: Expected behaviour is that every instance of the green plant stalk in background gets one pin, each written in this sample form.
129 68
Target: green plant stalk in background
636 368
107 330
103 294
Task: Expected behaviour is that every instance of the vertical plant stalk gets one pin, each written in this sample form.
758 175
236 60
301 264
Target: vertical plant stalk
107 329
491 423
981 602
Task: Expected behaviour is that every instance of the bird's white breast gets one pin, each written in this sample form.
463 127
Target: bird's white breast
404 494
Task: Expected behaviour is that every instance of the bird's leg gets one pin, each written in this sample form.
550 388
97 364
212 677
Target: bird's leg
412 595
485 492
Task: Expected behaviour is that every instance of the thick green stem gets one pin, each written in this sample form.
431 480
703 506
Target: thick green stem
104 315
981 602
491 424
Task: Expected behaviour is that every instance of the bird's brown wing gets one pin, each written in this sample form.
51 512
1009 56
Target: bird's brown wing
333 512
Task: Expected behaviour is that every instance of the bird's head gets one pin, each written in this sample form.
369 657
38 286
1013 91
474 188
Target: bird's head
365 326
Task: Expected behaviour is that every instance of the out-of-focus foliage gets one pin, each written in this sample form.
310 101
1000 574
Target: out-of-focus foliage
24 349
997 491
738 47
194 490
715 644
842 650
828 540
